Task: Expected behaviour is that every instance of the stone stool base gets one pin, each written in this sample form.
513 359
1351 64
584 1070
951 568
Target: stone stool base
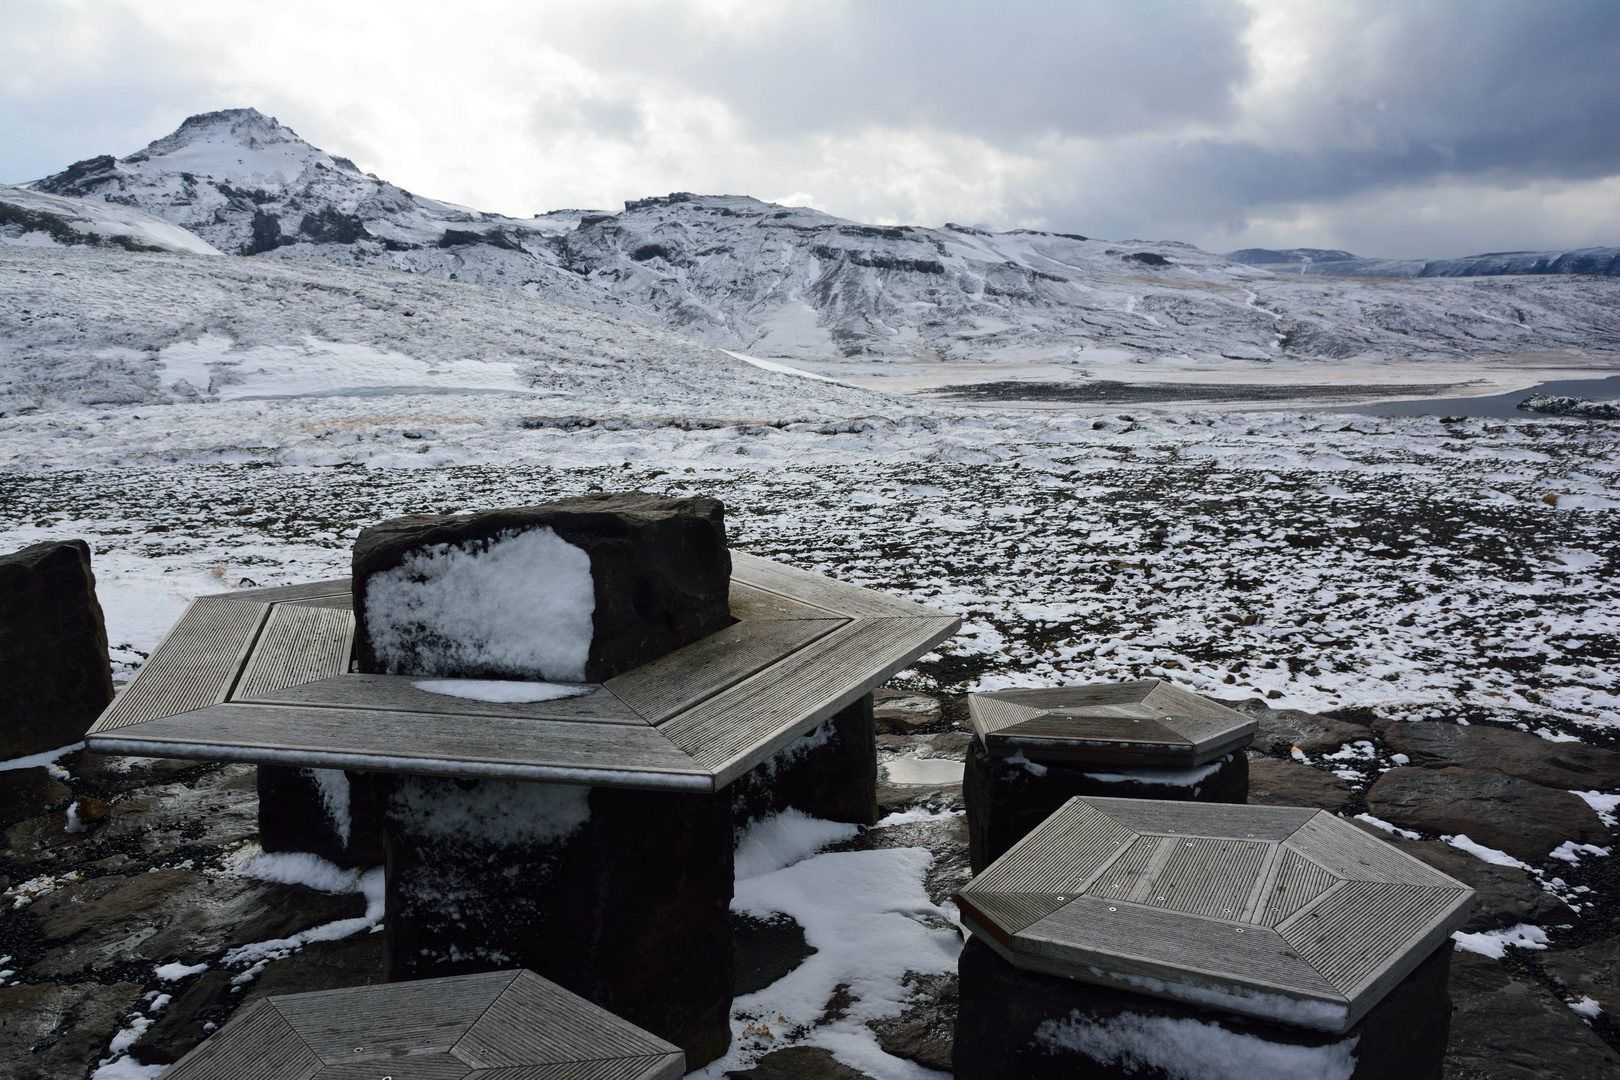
1007 798
1020 1025
620 896
831 773
326 812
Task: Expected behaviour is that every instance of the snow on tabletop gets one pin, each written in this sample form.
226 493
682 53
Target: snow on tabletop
520 606
1495 943
1186 1049
499 690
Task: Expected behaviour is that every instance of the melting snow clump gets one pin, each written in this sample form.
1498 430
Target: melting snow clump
1192 1050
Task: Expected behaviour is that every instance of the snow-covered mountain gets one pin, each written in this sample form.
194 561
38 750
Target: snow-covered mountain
794 283
33 219
1598 260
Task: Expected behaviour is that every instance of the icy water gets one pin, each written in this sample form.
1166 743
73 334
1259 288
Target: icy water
1496 405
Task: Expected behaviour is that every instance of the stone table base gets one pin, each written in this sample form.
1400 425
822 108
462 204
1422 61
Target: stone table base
326 812
831 773
1014 1023
1008 797
621 896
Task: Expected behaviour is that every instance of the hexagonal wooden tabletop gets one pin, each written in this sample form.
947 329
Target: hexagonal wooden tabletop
1147 722
1285 913
263 676
499 1024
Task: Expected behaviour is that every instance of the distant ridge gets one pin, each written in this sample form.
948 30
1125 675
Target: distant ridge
1602 261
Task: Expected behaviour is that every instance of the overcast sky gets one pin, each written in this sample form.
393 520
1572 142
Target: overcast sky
1393 128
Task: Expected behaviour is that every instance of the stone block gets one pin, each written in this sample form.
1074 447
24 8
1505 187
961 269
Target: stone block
326 812
577 590
55 678
1044 1027
621 896
830 773
1525 820
1008 797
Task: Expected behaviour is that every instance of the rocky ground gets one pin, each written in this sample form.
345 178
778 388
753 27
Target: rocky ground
139 913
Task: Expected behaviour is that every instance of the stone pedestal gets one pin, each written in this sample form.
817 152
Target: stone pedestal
621 896
1016 1023
1007 797
326 812
830 773
54 674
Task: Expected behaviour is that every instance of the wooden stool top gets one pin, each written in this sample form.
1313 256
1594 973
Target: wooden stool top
467 1026
1145 723
262 676
1285 913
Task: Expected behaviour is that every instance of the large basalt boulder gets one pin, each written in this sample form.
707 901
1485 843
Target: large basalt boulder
327 812
55 678
1565 765
1523 819
1007 797
621 896
1043 1027
577 590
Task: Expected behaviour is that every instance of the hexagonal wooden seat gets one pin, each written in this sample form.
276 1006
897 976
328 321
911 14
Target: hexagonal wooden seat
500 1024
1035 749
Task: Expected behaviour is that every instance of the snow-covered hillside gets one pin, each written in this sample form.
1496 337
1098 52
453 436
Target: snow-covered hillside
83 327
1599 260
33 219
797 284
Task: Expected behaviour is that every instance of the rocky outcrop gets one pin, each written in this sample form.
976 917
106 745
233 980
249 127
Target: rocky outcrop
1562 765
1563 405
55 677
1500 811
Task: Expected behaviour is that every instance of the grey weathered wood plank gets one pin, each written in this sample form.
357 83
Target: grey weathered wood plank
297 645
257 1044
426 1016
613 755
281 594
744 724
576 1030
660 688
1174 818
1064 856
1213 735
1179 702
851 601
398 693
750 603
195 664
1358 856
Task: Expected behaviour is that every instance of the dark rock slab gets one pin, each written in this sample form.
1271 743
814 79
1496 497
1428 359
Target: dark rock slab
1020 1023
27 792
55 1031
1591 971
621 896
1523 819
1275 782
1505 1027
766 950
1564 765
799 1063
181 1024
113 774
925 1032
1006 799
55 677
360 960
1288 728
326 812
900 712
659 567
1505 896
830 773
286 910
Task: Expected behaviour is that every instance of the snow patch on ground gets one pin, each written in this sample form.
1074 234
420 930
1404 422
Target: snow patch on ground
46 758
1495 943
1480 851
519 605
780 840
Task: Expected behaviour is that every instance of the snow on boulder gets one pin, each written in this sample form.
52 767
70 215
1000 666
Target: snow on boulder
571 591
34 219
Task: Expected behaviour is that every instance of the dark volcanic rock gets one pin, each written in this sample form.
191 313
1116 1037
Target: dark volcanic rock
1005 800
1505 896
523 592
1275 782
799 1063
327 812
1286 729
766 950
1565 765
898 712
1004 1013
1592 971
622 896
830 773
360 960
54 674
179 1026
925 1031
51 1031
1508 1028
1523 819
26 792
